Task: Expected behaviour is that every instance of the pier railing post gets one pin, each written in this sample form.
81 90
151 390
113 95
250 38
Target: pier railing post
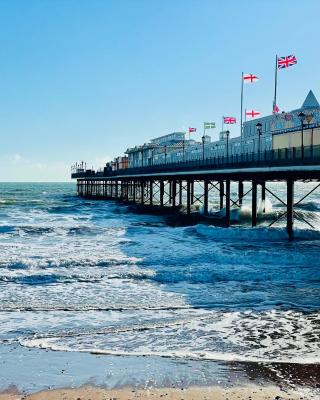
290 203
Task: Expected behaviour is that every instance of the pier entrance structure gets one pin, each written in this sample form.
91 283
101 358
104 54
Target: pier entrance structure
227 177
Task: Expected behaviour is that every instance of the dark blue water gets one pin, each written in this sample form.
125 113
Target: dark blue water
92 276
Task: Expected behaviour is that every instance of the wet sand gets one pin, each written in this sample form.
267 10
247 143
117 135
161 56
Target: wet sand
193 393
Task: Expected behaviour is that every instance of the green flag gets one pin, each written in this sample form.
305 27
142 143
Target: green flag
209 125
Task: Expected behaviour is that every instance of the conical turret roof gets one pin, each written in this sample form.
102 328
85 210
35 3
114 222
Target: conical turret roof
310 101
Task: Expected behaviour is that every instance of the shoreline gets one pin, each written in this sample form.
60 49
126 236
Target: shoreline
251 392
30 373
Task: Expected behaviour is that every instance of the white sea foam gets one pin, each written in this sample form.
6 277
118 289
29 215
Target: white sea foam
248 336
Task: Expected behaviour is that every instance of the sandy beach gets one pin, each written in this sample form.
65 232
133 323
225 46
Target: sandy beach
194 393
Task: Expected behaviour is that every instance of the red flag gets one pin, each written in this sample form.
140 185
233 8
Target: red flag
252 113
250 78
229 120
276 109
192 130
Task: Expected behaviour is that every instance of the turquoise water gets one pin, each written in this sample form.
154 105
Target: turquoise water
91 276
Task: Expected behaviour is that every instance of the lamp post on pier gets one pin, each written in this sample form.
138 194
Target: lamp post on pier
203 140
259 131
227 134
302 117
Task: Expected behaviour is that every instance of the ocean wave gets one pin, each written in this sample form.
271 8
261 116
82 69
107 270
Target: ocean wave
255 234
277 337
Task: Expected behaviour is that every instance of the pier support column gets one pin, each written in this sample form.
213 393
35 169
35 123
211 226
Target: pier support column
205 197
227 202
254 203
174 193
151 193
240 192
116 189
180 193
188 197
221 191
161 192
290 202
263 196
142 185
192 192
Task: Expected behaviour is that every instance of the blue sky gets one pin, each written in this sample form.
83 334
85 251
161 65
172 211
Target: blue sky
84 80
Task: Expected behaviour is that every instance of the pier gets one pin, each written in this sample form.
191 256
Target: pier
170 187
172 174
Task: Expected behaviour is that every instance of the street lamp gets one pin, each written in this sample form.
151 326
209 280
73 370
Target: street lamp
259 131
203 139
228 134
302 117
165 154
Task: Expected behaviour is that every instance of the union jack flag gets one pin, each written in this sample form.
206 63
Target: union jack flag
229 120
287 61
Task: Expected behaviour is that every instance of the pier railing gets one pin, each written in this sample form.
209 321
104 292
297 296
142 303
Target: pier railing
307 155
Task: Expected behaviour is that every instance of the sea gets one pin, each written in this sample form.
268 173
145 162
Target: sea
88 278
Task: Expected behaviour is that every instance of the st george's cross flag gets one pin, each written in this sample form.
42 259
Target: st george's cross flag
287 61
209 125
250 78
252 113
229 120
192 130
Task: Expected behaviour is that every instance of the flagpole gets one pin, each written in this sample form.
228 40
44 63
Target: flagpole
275 84
241 108
222 128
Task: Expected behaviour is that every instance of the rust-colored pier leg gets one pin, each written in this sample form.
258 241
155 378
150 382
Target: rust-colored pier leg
254 204
227 202
290 203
